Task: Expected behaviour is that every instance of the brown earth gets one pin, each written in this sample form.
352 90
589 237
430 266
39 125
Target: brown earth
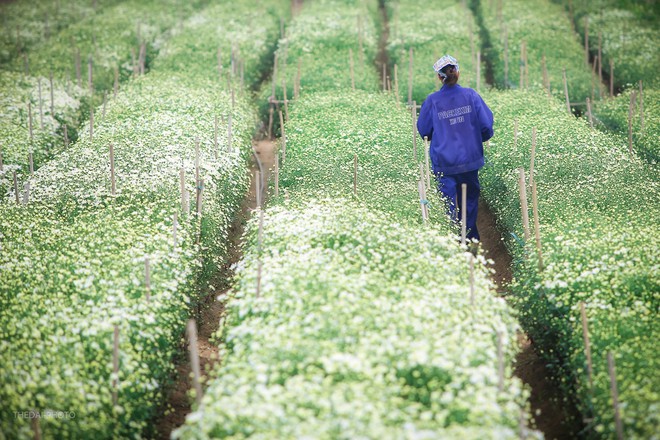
178 402
550 413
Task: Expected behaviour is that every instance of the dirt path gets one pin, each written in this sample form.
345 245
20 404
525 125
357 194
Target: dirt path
211 310
550 412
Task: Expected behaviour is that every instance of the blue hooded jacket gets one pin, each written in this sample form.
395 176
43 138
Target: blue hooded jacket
457 121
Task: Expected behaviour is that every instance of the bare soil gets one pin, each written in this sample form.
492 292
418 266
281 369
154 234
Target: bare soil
178 403
551 414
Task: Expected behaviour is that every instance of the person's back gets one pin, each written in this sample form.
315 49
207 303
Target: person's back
457 121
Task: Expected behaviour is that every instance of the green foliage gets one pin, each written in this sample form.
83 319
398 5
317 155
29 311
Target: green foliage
447 27
612 114
547 31
57 321
598 209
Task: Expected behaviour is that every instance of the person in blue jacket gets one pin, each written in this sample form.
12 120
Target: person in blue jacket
457 121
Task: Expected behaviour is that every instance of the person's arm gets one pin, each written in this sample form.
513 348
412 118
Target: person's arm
425 121
485 117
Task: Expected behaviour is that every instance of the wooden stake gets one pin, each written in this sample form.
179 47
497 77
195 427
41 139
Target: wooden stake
66 136
478 71
355 173
200 190
522 66
589 113
31 163
296 88
463 213
515 133
105 101
532 155
630 120
537 227
472 289
194 360
396 84
586 41
115 364
615 395
523 203
422 200
384 77
52 95
26 192
113 183
147 278
568 102
413 113
506 58
410 77
587 344
270 120
36 426
2 167
350 55
426 160
90 78
18 201
286 101
196 160
600 58
546 78
283 137
29 104
257 187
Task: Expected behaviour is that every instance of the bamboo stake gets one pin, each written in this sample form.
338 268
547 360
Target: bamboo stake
533 155
630 120
537 227
355 174
425 201
586 41
29 104
568 102
350 54
410 76
615 395
422 199
523 203
426 160
587 344
463 213
147 278
478 71
590 114
283 138
413 113
546 78
194 360
396 84
16 188
472 288
115 364
52 95
90 78
113 184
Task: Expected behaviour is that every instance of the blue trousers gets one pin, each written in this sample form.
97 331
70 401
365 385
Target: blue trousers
450 188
